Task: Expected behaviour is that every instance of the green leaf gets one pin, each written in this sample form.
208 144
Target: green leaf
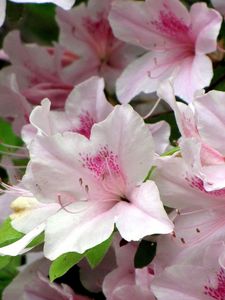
66 261
37 241
95 255
145 254
9 272
7 135
63 263
8 234
4 261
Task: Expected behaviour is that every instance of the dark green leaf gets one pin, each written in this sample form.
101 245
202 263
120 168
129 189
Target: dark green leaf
63 263
145 254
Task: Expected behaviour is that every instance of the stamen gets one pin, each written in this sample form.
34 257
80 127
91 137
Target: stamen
12 146
67 210
12 167
13 154
152 110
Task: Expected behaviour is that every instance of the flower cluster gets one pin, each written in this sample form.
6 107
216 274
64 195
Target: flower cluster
103 199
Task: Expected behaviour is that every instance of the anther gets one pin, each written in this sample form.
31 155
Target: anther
182 240
86 188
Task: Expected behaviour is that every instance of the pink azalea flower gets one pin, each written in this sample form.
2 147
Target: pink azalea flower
126 282
36 72
39 71
65 4
203 280
32 283
85 29
201 143
85 106
178 41
100 183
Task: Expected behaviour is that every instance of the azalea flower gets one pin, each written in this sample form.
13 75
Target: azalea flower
201 143
177 41
85 106
100 183
86 31
35 73
65 4
203 280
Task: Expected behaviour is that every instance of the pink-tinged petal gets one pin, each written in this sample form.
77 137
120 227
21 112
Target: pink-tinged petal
134 161
65 4
92 279
210 110
132 293
2 11
143 75
87 30
87 105
32 283
215 177
56 91
149 24
181 283
184 114
72 32
25 277
39 117
38 71
76 224
55 155
117 277
145 216
201 279
28 132
125 281
197 71
18 247
219 5
172 174
31 57
5 201
160 133
48 122
3 55
14 106
205 29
